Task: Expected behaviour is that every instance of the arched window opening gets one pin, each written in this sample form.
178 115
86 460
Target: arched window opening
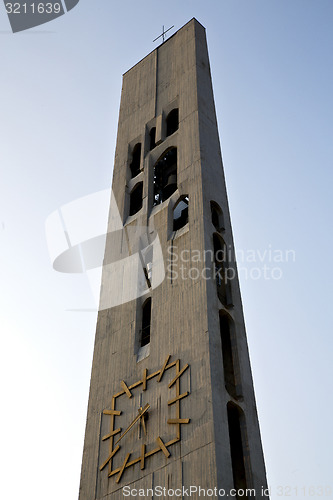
152 138
172 122
229 357
136 198
238 449
180 213
165 176
136 160
223 273
145 327
217 216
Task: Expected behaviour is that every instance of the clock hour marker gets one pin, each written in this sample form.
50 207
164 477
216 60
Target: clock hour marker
123 468
163 369
107 436
179 374
109 458
178 421
144 379
177 398
126 389
142 459
163 447
112 412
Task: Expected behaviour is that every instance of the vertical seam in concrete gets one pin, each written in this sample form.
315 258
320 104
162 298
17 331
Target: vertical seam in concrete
156 80
99 449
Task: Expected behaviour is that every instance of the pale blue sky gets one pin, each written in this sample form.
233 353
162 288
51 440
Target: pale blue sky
272 72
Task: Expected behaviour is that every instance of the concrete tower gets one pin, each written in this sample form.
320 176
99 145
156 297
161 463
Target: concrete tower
171 399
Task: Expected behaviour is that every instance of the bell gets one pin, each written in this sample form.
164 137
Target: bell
171 186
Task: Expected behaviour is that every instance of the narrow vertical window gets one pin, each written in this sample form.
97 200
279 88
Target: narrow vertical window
217 216
172 122
136 198
238 447
136 160
180 213
222 274
229 356
146 319
152 138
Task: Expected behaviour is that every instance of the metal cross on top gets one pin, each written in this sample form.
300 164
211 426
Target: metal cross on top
163 33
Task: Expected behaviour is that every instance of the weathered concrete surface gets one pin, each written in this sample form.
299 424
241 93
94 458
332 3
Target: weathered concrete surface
185 312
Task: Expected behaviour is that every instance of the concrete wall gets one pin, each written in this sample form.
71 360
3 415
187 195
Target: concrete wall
185 312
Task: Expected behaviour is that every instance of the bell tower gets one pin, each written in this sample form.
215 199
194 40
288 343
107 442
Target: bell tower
171 402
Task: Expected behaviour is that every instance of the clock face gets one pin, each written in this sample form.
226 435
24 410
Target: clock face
144 419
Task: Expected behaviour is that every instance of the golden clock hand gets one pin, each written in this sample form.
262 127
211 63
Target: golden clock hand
142 421
142 413
146 408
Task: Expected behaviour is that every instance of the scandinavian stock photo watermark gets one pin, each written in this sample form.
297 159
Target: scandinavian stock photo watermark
200 492
221 264
78 243
190 492
24 15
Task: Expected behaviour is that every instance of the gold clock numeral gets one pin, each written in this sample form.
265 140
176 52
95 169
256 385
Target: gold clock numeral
179 374
110 457
178 420
126 389
107 436
177 398
163 447
112 412
144 379
142 458
163 369
123 468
